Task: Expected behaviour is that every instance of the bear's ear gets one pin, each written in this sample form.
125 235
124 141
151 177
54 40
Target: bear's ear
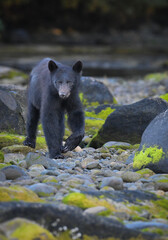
77 67
52 66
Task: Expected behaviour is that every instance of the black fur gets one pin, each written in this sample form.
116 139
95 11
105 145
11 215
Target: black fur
53 90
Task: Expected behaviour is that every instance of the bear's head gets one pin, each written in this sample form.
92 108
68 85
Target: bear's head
65 78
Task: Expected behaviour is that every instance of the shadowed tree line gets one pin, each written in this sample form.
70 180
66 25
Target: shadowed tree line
81 15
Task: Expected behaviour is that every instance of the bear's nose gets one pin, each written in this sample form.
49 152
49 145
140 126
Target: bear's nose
63 95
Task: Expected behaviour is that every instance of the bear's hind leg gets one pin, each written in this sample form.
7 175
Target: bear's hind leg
32 123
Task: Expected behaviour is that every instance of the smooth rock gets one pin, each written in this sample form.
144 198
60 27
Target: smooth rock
129 176
42 189
92 165
114 182
34 158
95 210
13 172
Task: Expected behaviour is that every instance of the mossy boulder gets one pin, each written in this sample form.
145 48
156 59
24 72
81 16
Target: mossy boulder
128 122
18 193
153 150
20 228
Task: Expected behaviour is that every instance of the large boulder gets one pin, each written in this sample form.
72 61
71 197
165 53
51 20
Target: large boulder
12 109
94 91
127 123
153 150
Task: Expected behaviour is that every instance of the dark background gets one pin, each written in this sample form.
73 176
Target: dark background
59 17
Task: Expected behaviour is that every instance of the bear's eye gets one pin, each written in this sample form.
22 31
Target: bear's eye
60 82
68 81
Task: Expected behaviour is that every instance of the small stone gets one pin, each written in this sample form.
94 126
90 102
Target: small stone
13 158
42 189
105 155
95 210
92 165
38 167
162 184
86 161
116 166
113 144
130 176
78 149
34 158
114 182
13 172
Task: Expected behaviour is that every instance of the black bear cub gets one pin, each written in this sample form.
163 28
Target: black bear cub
53 90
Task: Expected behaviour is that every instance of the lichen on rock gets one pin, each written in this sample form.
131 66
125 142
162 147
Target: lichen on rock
147 156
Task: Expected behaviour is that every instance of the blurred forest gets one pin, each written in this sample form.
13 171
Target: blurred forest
66 16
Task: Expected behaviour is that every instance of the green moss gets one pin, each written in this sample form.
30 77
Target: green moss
18 193
12 74
50 179
163 180
2 165
7 139
92 126
165 97
83 201
157 77
86 103
1 157
101 115
146 156
158 231
28 231
146 172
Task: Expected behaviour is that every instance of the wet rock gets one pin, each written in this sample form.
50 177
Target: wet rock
153 149
113 144
95 91
128 122
114 182
86 161
42 189
14 172
11 110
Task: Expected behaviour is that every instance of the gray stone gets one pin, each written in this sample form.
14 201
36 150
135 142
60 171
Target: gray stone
92 165
129 176
95 210
13 157
42 189
34 158
113 144
95 91
13 172
114 182
11 109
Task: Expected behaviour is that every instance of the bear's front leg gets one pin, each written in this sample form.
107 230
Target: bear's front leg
53 126
77 125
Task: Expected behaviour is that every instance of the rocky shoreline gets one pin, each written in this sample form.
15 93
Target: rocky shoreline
93 193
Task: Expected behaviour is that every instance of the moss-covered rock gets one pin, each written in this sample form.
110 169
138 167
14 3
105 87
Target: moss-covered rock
157 77
7 139
145 172
19 229
18 193
164 97
83 201
17 149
